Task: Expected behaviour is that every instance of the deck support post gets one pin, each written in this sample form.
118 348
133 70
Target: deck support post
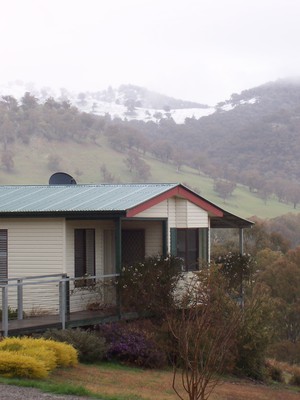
20 298
62 303
118 257
5 310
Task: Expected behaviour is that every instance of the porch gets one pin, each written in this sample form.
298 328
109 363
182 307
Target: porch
37 303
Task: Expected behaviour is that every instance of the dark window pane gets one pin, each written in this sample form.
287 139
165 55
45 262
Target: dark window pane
84 252
133 246
188 247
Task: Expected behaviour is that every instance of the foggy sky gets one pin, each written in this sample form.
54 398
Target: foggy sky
201 50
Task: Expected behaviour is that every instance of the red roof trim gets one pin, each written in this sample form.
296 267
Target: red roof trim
176 191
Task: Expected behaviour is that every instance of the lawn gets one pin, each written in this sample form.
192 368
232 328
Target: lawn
120 383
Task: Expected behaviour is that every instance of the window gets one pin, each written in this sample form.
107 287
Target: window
188 247
109 249
84 252
133 246
191 245
3 255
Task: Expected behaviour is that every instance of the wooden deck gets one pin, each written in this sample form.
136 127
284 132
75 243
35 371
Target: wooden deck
77 319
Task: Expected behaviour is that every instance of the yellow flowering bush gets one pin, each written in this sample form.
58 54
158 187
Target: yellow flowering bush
14 364
34 358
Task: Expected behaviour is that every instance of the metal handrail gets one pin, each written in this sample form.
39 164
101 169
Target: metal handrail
41 280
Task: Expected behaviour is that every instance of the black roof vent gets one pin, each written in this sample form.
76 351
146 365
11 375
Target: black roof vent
61 178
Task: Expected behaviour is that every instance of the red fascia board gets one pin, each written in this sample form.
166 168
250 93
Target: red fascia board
176 191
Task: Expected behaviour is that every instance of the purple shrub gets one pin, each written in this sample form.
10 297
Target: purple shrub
131 346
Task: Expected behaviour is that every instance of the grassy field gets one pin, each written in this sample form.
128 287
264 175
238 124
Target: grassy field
107 381
118 382
83 161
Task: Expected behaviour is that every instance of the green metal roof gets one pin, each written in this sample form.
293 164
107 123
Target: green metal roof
77 198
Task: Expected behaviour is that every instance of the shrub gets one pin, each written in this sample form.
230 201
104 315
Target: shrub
89 345
52 353
41 353
286 351
295 379
149 286
254 334
132 346
13 364
274 372
12 313
66 355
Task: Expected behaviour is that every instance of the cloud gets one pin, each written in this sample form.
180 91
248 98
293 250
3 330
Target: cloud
200 50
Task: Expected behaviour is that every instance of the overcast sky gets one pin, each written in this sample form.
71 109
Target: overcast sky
201 50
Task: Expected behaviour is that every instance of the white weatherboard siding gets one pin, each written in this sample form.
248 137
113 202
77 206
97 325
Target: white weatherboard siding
35 247
196 216
180 213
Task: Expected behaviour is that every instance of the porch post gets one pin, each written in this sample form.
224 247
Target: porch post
118 241
20 298
62 302
241 240
5 310
118 257
164 238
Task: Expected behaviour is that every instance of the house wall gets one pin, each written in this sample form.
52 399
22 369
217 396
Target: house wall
44 246
35 247
153 240
153 235
180 213
104 234
100 227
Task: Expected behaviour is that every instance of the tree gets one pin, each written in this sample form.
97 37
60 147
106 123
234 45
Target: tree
283 278
137 166
178 159
7 161
106 175
10 103
255 332
29 101
203 326
54 162
293 194
224 188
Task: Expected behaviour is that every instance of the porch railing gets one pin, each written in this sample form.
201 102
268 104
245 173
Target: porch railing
56 294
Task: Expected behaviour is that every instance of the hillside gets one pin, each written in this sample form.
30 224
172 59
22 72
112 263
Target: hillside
244 155
33 165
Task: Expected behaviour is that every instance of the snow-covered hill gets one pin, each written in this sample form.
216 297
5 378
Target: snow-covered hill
128 101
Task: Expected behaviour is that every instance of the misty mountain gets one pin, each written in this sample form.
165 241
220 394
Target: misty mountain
126 102
250 139
256 131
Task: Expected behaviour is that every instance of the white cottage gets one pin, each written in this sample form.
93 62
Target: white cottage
94 229
75 231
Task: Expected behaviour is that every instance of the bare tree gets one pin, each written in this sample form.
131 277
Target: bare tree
203 326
